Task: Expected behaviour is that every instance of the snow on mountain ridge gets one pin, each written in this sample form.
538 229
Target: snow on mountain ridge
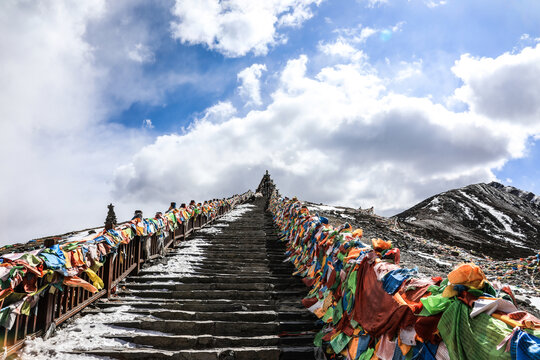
490 219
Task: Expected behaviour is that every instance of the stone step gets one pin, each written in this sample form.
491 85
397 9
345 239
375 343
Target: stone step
241 314
232 272
213 294
196 279
245 261
234 255
182 342
241 353
206 305
231 267
215 249
215 286
218 328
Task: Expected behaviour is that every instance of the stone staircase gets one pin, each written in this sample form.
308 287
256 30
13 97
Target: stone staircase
236 300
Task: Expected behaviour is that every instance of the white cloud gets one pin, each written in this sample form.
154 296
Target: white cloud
141 53
374 3
147 124
237 27
220 112
250 87
342 48
398 27
360 34
339 136
409 70
433 4
503 88
60 70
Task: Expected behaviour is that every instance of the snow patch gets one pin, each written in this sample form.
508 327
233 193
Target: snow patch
348 217
237 212
535 301
468 212
432 257
503 219
323 208
88 332
434 204
210 230
218 225
182 263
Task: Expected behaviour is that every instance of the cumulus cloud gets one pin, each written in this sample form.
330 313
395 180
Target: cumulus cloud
504 88
60 70
343 48
219 112
237 27
250 87
337 136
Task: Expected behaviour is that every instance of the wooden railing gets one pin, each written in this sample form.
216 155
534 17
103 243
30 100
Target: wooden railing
57 306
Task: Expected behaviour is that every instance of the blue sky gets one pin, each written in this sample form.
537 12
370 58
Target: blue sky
437 35
359 103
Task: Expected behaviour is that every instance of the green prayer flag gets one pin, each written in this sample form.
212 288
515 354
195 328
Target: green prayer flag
435 304
329 313
25 309
32 260
339 342
468 338
317 341
338 313
351 281
488 289
366 355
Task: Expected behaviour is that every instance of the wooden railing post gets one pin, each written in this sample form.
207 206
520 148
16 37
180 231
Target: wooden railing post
45 310
138 255
109 269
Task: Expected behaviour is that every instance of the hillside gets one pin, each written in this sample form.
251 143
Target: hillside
490 219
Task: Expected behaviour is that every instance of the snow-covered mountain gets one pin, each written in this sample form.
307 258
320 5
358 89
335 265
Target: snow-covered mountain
496 220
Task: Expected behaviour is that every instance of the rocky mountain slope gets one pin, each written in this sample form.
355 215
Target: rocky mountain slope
488 219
